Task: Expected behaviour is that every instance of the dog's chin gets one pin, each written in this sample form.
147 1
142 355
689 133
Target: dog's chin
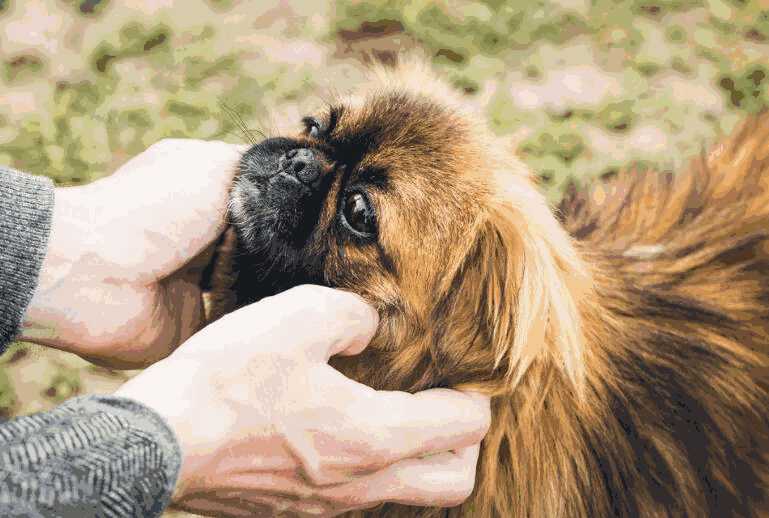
270 232
244 210
264 212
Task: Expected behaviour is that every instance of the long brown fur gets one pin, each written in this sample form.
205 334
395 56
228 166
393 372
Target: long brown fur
625 340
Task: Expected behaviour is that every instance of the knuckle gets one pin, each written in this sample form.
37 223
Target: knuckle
374 449
373 462
314 471
382 452
316 477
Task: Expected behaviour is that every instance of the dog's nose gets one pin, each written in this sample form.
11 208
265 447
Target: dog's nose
301 164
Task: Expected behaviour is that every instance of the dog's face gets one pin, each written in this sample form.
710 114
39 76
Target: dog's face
399 195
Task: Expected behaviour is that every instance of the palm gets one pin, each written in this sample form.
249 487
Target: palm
119 285
145 323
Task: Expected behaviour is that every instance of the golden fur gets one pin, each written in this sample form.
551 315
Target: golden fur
625 339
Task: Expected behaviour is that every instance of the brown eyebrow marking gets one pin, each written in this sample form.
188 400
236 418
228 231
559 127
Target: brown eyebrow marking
386 260
375 176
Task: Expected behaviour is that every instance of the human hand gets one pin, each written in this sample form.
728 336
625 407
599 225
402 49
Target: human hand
267 427
119 285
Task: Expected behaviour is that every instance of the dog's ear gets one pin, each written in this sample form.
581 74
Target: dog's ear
530 279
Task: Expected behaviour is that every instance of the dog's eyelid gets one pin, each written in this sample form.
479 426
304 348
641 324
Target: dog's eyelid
312 122
357 188
323 129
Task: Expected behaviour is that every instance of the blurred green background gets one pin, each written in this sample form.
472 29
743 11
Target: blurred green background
594 85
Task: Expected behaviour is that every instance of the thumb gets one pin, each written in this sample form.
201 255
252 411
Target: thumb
319 322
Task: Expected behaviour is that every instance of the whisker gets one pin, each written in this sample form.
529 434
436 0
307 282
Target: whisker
237 119
263 131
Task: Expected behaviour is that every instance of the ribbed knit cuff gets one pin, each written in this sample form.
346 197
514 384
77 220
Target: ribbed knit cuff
26 208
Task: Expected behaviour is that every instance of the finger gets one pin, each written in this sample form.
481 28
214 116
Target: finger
204 150
318 322
443 480
186 210
201 195
431 421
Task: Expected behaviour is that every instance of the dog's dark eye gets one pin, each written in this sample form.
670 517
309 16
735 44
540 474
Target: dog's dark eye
358 214
312 126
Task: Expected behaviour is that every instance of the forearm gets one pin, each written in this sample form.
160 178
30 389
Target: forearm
91 456
26 207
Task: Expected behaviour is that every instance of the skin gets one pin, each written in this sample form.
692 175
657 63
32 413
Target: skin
267 427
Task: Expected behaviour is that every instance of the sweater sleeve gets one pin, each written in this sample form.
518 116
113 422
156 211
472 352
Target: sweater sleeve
26 207
91 456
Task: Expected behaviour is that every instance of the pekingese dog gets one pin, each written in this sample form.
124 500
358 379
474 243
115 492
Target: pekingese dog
625 338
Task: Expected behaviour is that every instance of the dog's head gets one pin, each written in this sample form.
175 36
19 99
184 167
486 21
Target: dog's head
399 194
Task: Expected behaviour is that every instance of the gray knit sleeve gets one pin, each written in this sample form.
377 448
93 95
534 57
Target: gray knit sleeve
26 207
92 456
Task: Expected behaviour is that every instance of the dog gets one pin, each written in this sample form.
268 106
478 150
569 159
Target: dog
624 338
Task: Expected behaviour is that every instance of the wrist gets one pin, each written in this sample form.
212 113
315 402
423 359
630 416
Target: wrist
68 246
179 407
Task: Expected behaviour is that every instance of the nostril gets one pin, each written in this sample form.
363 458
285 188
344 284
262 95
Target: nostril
309 174
300 163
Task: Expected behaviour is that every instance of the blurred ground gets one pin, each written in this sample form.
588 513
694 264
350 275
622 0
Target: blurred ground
596 83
